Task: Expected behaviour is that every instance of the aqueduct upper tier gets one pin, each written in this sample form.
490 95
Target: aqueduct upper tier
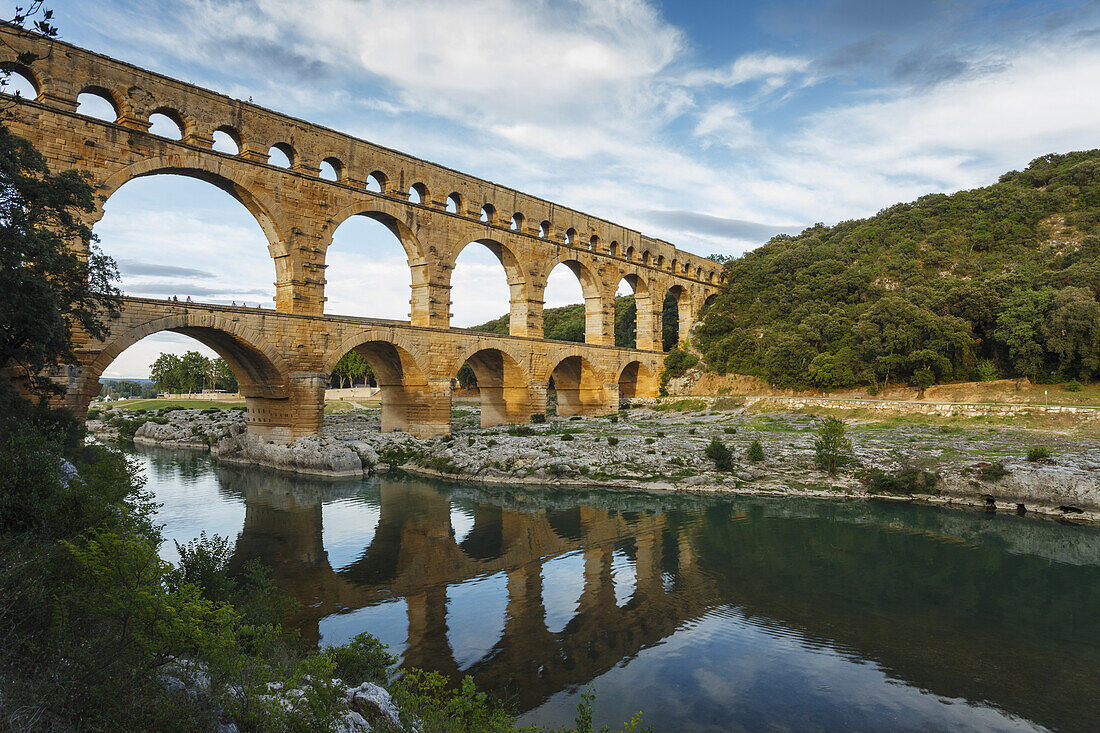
433 210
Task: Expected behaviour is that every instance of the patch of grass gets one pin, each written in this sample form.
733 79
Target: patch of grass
681 406
728 403
520 430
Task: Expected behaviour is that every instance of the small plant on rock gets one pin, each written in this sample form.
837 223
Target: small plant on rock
756 451
612 440
994 471
1072 386
720 453
832 449
538 417
1038 453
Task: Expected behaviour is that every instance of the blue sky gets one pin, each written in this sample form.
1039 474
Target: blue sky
710 124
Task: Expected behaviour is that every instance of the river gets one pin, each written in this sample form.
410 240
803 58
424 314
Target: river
705 613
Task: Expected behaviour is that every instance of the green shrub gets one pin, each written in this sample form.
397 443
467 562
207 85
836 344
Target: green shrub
832 449
567 436
612 440
906 481
729 431
1072 386
994 471
756 451
720 453
614 419
649 441
987 371
363 659
93 414
538 417
520 430
1038 453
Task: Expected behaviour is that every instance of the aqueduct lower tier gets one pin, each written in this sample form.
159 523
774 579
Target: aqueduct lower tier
283 362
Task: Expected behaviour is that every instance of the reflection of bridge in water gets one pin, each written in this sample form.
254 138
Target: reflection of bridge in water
943 601
414 554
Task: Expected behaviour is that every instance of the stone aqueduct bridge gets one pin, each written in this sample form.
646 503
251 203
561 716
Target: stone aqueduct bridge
434 211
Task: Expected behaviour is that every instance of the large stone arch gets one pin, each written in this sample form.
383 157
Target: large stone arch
413 400
503 383
683 310
428 281
598 327
637 381
209 168
646 321
519 293
581 388
279 406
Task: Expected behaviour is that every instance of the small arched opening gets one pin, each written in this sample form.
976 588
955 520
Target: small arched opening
418 194
570 235
227 140
544 229
594 244
166 123
454 204
517 222
18 81
331 169
488 213
99 103
281 155
613 250
376 182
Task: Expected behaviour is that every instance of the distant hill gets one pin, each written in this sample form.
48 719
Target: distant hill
996 281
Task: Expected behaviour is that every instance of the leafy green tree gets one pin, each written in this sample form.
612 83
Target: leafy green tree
467 379
1020 327
166 373
45 285
832 449
1071 331
351 367
224 379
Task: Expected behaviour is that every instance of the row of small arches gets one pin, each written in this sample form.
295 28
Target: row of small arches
100 103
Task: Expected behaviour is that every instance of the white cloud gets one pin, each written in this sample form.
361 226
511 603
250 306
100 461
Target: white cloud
774 70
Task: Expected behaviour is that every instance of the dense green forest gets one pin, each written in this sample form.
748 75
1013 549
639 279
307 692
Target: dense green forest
1000 281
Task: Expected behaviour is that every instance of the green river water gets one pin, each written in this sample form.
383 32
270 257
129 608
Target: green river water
705 613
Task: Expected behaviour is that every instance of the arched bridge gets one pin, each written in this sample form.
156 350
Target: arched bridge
434 211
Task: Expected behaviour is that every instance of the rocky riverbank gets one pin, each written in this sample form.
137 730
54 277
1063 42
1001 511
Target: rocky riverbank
966 461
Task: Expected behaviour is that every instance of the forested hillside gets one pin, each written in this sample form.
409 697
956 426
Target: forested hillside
999 281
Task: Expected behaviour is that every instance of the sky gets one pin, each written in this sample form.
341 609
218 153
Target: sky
714 125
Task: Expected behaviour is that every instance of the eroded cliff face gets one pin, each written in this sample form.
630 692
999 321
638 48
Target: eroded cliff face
660 449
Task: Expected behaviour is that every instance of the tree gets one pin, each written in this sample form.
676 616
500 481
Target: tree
832 449
1072 332
352 366
165 373
46 286
224 377
1019 327
466 377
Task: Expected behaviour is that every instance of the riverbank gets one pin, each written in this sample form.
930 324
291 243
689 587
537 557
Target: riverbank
969 460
